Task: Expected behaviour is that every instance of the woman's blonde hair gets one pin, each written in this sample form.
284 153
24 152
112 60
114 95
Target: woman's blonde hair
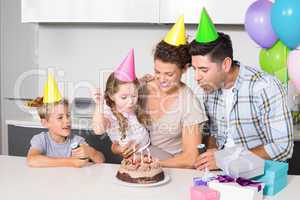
112 87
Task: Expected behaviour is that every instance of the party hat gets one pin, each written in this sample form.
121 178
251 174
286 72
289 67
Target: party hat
51 92
206 29
176 36
126 70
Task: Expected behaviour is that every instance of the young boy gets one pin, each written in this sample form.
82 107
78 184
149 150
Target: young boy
54 148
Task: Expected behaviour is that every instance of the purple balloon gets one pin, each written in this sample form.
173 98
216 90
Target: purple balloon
258 23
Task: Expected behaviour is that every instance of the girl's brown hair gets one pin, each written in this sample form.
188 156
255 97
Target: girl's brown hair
112 87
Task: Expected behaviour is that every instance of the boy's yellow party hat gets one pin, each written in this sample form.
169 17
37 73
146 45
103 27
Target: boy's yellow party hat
51 92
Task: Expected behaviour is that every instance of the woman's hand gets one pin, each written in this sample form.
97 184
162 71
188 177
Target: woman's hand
146 78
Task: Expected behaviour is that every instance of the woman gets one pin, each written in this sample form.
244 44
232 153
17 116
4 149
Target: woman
175 112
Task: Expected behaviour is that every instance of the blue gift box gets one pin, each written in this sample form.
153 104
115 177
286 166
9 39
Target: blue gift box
275 177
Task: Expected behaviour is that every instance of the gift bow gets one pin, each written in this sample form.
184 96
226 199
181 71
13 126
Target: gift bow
241 181
239 151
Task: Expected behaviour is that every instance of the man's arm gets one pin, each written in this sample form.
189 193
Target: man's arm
276 123
261 152
210 142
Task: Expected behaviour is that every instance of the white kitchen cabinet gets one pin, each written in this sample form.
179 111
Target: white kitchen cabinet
106 11
222 12
132 11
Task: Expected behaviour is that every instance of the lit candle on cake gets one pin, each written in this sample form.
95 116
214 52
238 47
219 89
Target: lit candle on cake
142 157
134 154
149 156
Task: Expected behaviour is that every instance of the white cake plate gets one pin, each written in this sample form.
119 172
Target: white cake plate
123 183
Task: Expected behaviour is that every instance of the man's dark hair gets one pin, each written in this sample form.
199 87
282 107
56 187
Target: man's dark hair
218 50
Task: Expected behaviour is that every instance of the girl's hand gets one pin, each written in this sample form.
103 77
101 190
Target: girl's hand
98 97
127 150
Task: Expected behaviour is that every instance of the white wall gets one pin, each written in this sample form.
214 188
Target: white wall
78 53
82 51
1 77
18 55
85 51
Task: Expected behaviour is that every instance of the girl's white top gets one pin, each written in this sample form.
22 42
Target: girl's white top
136 131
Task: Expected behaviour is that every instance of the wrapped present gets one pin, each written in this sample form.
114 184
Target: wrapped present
239 162
202 181
198 181
275 177
204 193
239 188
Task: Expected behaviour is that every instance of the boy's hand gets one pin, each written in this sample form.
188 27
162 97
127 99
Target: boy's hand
81 152
98 97
77 162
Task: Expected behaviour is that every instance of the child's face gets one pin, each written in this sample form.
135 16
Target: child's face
58 122
126 98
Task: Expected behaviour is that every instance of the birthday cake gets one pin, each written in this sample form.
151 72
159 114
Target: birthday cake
144 170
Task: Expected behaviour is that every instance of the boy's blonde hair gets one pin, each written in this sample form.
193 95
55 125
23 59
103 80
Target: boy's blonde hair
45 108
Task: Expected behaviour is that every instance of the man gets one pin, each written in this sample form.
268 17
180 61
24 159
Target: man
245 106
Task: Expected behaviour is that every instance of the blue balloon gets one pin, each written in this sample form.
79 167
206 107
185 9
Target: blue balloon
285 19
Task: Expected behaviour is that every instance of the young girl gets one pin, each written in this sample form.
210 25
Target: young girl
119 111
